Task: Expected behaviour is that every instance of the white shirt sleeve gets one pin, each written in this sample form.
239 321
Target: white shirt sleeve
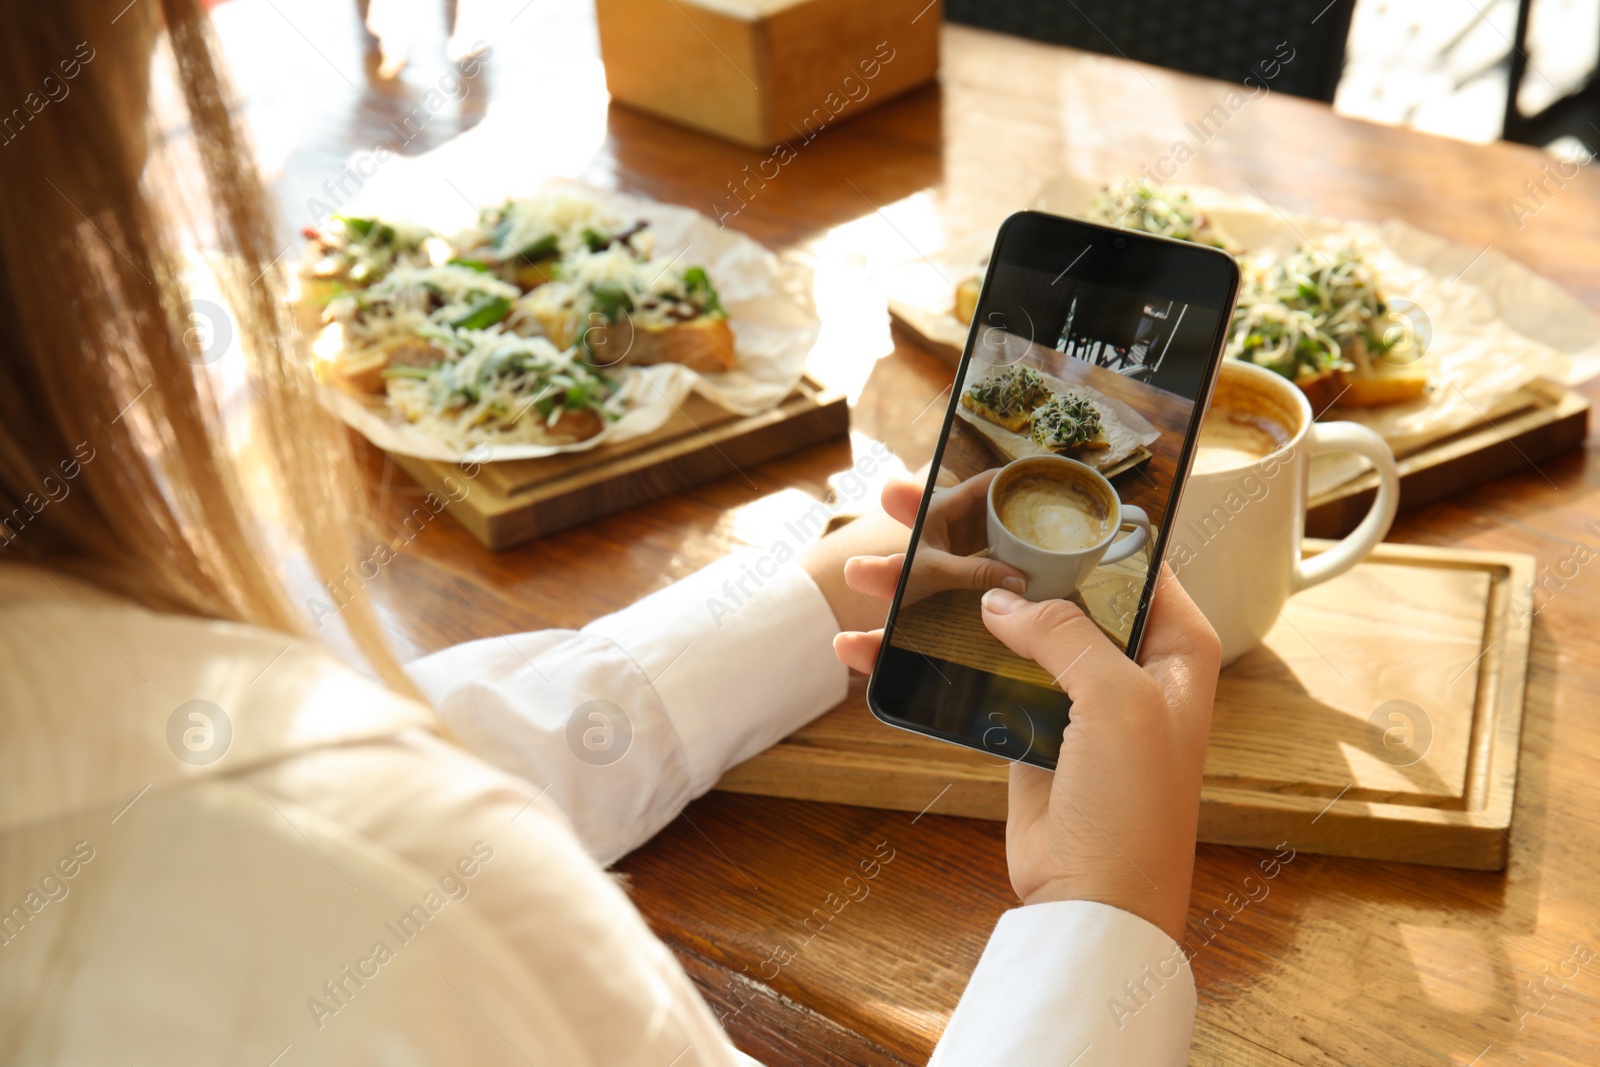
1074 984
638 713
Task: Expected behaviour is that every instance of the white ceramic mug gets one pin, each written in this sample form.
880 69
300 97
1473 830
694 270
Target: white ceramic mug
1236 542
1055 574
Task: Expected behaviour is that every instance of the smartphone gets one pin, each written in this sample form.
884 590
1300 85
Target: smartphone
1071 426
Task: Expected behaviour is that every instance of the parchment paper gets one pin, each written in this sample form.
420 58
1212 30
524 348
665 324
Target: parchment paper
1495 325
769 306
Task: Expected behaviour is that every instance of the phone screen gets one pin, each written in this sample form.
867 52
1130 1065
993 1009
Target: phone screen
1070 429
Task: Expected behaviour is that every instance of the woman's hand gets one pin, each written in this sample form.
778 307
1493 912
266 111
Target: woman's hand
952 551
1116 821
858 567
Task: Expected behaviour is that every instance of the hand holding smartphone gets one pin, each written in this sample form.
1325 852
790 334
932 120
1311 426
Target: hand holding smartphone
1078 525
1069 434
1115 823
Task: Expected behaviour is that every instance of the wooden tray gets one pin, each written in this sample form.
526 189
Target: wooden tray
1542 420
509 503
1294 755
931 330
1552 419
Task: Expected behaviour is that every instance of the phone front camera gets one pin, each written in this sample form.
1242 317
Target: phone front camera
1121 242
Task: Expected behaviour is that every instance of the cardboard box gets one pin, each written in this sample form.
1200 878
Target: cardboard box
761 72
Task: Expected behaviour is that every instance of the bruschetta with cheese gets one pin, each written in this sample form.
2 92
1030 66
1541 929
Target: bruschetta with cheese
1318 318
1069 423
623 310
968 290
1008 398
406 319
504 388
524 241
352 253
1167 211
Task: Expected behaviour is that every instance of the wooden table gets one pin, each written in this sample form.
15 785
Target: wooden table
1345 962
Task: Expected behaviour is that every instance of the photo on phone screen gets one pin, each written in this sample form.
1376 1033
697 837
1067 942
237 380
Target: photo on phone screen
1070 428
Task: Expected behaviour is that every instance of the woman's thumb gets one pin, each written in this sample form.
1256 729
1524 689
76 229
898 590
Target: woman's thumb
1059 637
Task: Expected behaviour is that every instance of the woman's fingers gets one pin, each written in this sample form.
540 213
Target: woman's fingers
879 576
1182 654
945 571
971 493
1176 626
1028 798
874 576
901 500
1059 637
858 651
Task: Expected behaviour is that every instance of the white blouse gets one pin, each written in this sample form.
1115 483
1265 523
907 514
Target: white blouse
218 844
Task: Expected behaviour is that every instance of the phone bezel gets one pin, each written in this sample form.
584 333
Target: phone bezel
1127 245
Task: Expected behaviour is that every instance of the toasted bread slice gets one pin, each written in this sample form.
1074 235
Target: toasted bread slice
1322 389
967 291
361 372
560 326
528 276
704 344
1016 422
571 426
1097 443
1382 385
316 290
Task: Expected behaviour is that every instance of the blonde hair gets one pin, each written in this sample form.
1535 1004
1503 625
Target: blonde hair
93 354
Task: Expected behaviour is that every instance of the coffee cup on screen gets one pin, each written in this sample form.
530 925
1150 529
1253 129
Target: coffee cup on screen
1236 542
1055 520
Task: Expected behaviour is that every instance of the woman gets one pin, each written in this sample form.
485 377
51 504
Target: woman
218 843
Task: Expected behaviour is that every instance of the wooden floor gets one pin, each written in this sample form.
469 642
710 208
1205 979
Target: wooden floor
1346 962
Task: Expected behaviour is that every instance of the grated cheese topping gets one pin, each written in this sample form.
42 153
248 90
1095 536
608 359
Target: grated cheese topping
362 250
557 224
409 297
502 387
616 285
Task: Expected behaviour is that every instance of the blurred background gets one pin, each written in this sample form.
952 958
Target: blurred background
370 72
1475 70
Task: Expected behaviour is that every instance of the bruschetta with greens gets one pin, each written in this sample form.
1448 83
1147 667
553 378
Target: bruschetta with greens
623 310
1318 318
404 319
352 253
523 241
499 387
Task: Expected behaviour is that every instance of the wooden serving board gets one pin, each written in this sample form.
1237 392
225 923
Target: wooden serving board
938 332
1298 736
1544 420
512 502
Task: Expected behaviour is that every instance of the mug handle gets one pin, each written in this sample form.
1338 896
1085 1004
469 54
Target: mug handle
1121 550
1355 546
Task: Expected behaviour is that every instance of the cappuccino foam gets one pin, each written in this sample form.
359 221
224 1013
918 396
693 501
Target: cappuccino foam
1229 443
1245 425
1054 513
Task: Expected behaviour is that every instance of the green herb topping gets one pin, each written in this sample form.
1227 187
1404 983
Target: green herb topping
1140 205
1065 422
1309 313
1012 391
